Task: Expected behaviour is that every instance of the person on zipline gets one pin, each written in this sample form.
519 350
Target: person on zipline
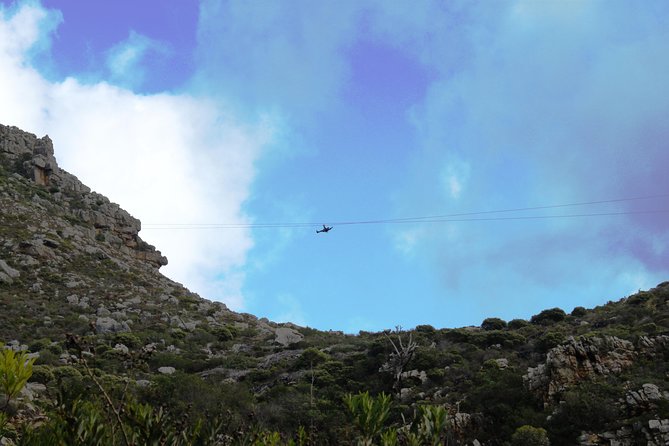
325 229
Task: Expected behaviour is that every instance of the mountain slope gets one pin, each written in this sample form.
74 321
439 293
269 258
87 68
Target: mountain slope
82 292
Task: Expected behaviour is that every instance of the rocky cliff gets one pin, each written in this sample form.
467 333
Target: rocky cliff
33 158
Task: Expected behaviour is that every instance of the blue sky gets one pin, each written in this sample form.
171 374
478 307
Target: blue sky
257 112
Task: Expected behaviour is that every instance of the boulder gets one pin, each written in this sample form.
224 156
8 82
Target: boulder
109 325
286 336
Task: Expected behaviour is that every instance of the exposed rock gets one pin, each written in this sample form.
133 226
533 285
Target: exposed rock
166 370
577 360
643 399
286 336
420 375
655 433
274 358
109 325
7 273
33 158
502 363
122 348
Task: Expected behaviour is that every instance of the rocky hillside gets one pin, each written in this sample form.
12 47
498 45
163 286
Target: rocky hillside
82 293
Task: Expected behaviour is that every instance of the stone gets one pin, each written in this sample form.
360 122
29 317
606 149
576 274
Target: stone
102 312
122 348
166 370
8 270
502 363
286 336
652 392
576 360
654 424
109 325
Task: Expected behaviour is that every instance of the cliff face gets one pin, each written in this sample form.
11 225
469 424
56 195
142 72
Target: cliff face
33 158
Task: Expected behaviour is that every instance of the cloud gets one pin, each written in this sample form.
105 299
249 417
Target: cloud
543 104
166 158
124 60
276 56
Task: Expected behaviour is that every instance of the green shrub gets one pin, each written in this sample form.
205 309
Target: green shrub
639 298
128 339
493 323
428 329
15 370
369 414
39 345
548 317
515 324
579 312
66 372
311 357
42 374
549 340
530 436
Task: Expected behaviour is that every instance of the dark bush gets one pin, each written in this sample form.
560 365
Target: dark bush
579 312
515 324
549 340
548 317
493 323
639 298
42 374
530 436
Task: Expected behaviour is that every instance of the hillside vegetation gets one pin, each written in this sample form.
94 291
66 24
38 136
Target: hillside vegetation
101 348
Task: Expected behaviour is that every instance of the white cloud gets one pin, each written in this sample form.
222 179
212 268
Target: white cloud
454 178
124 60
165 158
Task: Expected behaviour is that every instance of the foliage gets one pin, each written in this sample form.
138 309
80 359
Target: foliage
15 370
515 324
586 407
579 312
548 317
530 436
493 323
368 414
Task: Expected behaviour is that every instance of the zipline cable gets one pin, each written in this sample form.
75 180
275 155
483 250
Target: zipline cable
455 217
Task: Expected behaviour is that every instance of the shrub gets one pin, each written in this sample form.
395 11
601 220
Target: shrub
549 340
493 323
530 436
311 357
42 374
224 333
15 370
428 329
369 414
128 339
515 324
639 298
66 372
39 345
579 312
548 317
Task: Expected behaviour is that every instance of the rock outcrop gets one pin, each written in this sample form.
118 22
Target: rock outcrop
576 360
24 154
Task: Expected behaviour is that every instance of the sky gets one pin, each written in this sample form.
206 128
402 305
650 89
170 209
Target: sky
235 129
